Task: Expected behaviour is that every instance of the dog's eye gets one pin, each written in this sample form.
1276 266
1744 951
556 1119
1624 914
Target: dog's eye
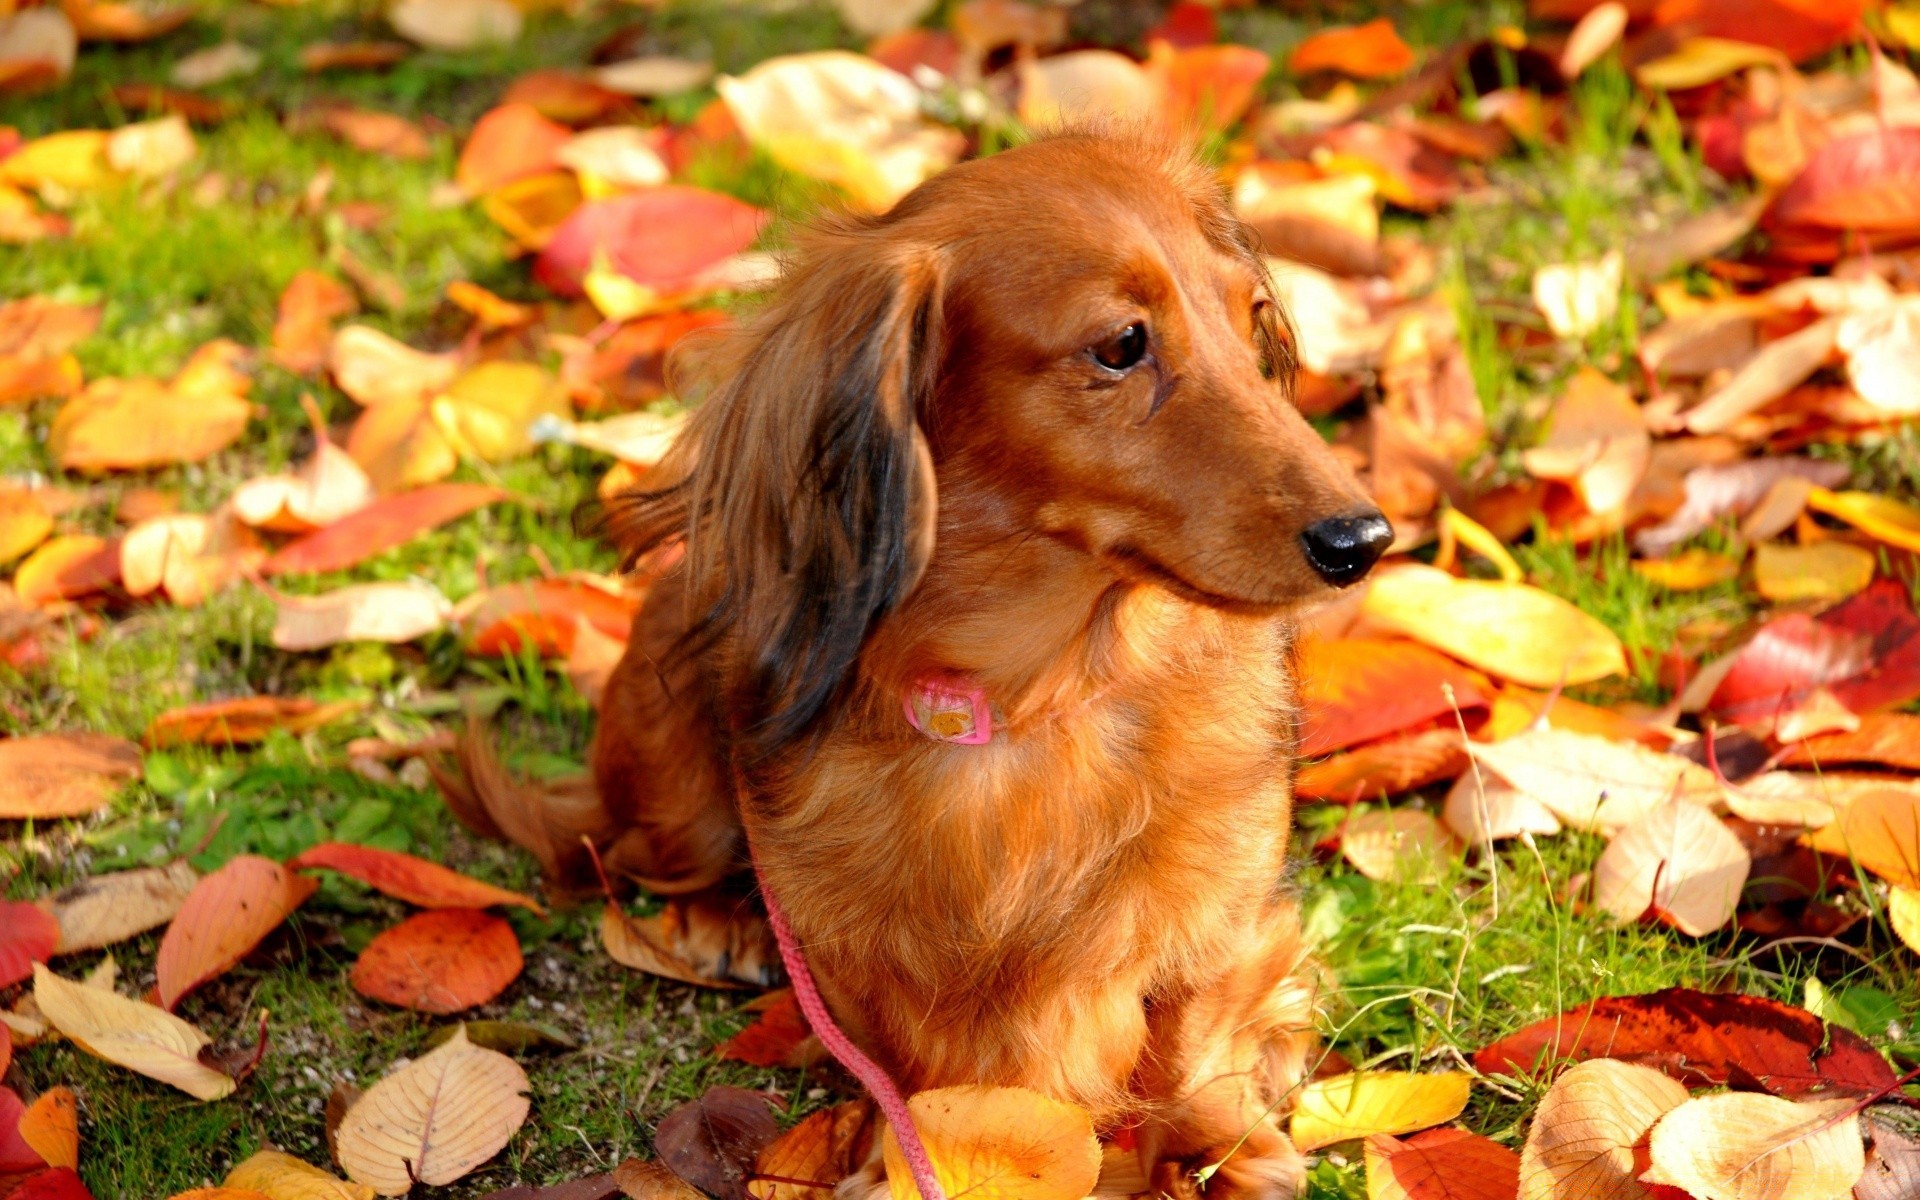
1123 349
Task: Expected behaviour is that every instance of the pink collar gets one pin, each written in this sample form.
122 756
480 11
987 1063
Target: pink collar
949 708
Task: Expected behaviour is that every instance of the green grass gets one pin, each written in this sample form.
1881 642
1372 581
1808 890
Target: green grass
1426 974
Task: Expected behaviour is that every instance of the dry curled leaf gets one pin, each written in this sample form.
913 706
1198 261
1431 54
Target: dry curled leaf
1009 1143
104 910
226 915
1582 1139
433 1120
128 1033
1745 1146
365 612
1363 1103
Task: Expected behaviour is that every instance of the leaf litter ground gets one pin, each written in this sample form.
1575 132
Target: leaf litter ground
1428 975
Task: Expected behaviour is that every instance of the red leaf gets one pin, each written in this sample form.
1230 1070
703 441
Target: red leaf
6 1050
772 1039
440 962
57 1183
1443 1164
662 237
1187 25
1799 29
1865 651
712 1142
1370 51
381 526
1354 690
1870 181
15 1155
27 935
542 613
511 142
404 877
1701 1038
225 915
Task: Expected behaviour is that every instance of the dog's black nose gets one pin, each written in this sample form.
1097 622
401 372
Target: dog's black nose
1342 549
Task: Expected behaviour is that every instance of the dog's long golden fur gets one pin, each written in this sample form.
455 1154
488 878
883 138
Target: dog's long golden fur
936 452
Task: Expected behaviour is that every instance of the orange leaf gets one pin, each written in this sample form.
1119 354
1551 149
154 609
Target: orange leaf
225 916
52 775
66 568
1356 689
36 327
773 1038
1869 181
303 329
380 526
98 21
404 877
1207 87
1885 739
242 720
440 961
1386 767
1441 1164
1800 29
511 142
126 424
1370 51
51 1125
374 132
543 613
329 56
23 380
805 1162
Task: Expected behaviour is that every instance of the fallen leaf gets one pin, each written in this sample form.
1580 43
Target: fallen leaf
491 311
1903 914
822 1149
612 158
712 1142
664 239
1509 630
404 877
190 555
1689 570
16 1155
1881 344
1398 845
1868 182
303 328
639 1179
54 1183
533 209
544 614
375 369
280 1176
433 1120
1370 51
1880 517
1829 570
325 488
380 526
139 1037
226 915
508 1037
591 661
1791 798
998 1141
441 961
37 48
654 75
510 142
1698 61
52 775
104 910
72 160
1481 808
27 936
1357 689
1864 652
1748 1147
1596 783
1386 767
1596 440
1887 739
1441 1164
646 944
1880 829
128 424
354 56
1086 85
1582 1139
1207 87
215 64
1777 369
843 118
456 24
774 1036
1596 33
51 1125
1678 861
1364 1103
1579 298
367 612
1701 1038
1893 1155
66 568
243 720
150 149
365 129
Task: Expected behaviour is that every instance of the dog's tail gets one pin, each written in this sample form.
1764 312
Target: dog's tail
548 819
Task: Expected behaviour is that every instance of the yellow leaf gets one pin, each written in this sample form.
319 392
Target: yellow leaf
1689 570
618 297
1749 1146
1678 858
1903 913
435 1119
24 524
488 411
1595 783
995 1143
1701 60
74 161
191 555
1877 516
128 1033
531 209
1456 526
284 1177
1790 797
841 117
1363 1103
1578 298
1510 630
375 369
1583 1135
1829 570
125 424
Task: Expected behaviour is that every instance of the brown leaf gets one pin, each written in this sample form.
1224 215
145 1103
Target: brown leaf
433 1120
713 1142
1893 1154
52 775
303 328
243 720
640 1179
1583 1135
225 916
103 910
352 56
441 961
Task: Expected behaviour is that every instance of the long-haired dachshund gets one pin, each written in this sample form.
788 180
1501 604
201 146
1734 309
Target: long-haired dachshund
995 517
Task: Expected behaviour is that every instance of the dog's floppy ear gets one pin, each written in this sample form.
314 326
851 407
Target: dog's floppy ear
814 487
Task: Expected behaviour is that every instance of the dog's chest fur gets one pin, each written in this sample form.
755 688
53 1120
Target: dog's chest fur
1026 899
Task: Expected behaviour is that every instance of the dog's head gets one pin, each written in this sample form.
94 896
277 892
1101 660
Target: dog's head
1077 333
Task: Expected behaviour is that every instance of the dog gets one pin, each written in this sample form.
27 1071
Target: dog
995 520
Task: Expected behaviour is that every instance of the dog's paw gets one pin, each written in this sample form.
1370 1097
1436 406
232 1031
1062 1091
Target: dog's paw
726 938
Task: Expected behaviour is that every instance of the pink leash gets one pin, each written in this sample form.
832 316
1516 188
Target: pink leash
885 1092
